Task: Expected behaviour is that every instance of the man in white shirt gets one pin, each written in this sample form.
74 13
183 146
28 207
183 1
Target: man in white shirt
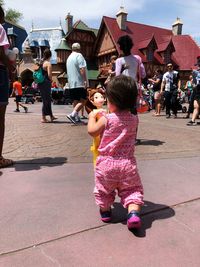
171 85
77 79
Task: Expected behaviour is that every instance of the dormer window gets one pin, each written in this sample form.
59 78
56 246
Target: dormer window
150 54
167 56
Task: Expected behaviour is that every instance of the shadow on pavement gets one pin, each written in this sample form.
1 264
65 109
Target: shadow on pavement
1 173
36 164
150 213
146 142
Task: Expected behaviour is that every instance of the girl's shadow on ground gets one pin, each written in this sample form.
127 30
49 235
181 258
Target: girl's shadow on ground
150 212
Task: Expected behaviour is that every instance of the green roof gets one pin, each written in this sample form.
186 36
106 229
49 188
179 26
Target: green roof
82 26
63 45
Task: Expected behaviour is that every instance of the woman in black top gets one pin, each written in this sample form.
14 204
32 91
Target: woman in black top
156 81
45 87
196 95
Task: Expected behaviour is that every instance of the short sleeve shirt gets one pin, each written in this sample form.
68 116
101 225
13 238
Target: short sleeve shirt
18 88
170 78
196 76
3 40
74 63
128 66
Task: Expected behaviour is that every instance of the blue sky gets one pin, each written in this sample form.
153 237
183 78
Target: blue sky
161 13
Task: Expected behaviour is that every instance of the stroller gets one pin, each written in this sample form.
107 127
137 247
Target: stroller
57 95
181 100
29 94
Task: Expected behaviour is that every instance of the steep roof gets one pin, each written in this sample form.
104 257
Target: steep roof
49 36
186 50
82 26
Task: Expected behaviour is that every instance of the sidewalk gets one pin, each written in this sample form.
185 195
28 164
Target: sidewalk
48 215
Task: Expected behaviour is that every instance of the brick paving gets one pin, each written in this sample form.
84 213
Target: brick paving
27 139
48 215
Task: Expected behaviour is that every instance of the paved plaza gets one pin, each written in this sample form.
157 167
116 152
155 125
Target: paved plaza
48 215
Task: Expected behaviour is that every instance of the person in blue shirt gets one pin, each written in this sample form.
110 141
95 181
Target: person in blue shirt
78 82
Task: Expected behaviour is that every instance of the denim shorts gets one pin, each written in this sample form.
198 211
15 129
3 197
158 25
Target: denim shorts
4 85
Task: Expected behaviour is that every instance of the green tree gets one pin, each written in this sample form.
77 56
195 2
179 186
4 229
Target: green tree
12 14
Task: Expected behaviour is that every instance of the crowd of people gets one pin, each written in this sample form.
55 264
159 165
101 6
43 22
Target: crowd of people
116 128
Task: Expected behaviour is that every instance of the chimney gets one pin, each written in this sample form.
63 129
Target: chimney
122 18
69 22
177 27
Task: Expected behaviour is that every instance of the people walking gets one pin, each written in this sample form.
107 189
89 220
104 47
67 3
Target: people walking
45 88
170 86
189 89
196 94
129 65
196 103
116 166
4 87
17 92
156 86
78 82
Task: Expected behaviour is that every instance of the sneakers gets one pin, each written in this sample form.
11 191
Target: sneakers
83 117
105 216
71 118
133 220
191 123
25 109
168 116
78 119
16 110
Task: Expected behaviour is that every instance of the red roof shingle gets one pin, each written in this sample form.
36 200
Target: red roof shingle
186 50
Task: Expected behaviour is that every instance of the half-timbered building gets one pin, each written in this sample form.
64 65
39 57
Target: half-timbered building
156 46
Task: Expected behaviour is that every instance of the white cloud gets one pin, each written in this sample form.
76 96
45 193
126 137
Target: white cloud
47 13
40 10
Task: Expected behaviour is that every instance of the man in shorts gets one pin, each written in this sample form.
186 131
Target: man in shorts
77 79
17 91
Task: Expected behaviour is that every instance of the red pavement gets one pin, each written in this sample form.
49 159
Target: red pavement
49 218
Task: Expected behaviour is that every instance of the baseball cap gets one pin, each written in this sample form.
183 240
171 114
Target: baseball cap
76 46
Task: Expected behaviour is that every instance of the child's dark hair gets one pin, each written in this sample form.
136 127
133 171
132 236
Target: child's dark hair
47 54
122 92
125 43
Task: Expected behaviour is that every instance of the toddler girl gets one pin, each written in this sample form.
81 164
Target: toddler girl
116 168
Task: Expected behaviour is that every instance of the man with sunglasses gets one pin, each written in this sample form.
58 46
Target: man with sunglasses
171 85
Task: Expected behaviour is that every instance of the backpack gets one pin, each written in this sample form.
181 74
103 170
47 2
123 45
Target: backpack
38 76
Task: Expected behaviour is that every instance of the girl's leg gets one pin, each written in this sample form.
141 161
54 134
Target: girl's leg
196 110
133 218
134 207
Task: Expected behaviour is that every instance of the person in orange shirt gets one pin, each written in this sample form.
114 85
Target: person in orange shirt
17 91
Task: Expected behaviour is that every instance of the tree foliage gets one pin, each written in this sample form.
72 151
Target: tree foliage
12 14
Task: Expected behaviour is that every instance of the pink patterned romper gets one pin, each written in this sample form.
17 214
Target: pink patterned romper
116 168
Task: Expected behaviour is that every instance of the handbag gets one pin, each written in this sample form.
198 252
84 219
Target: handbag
38 76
